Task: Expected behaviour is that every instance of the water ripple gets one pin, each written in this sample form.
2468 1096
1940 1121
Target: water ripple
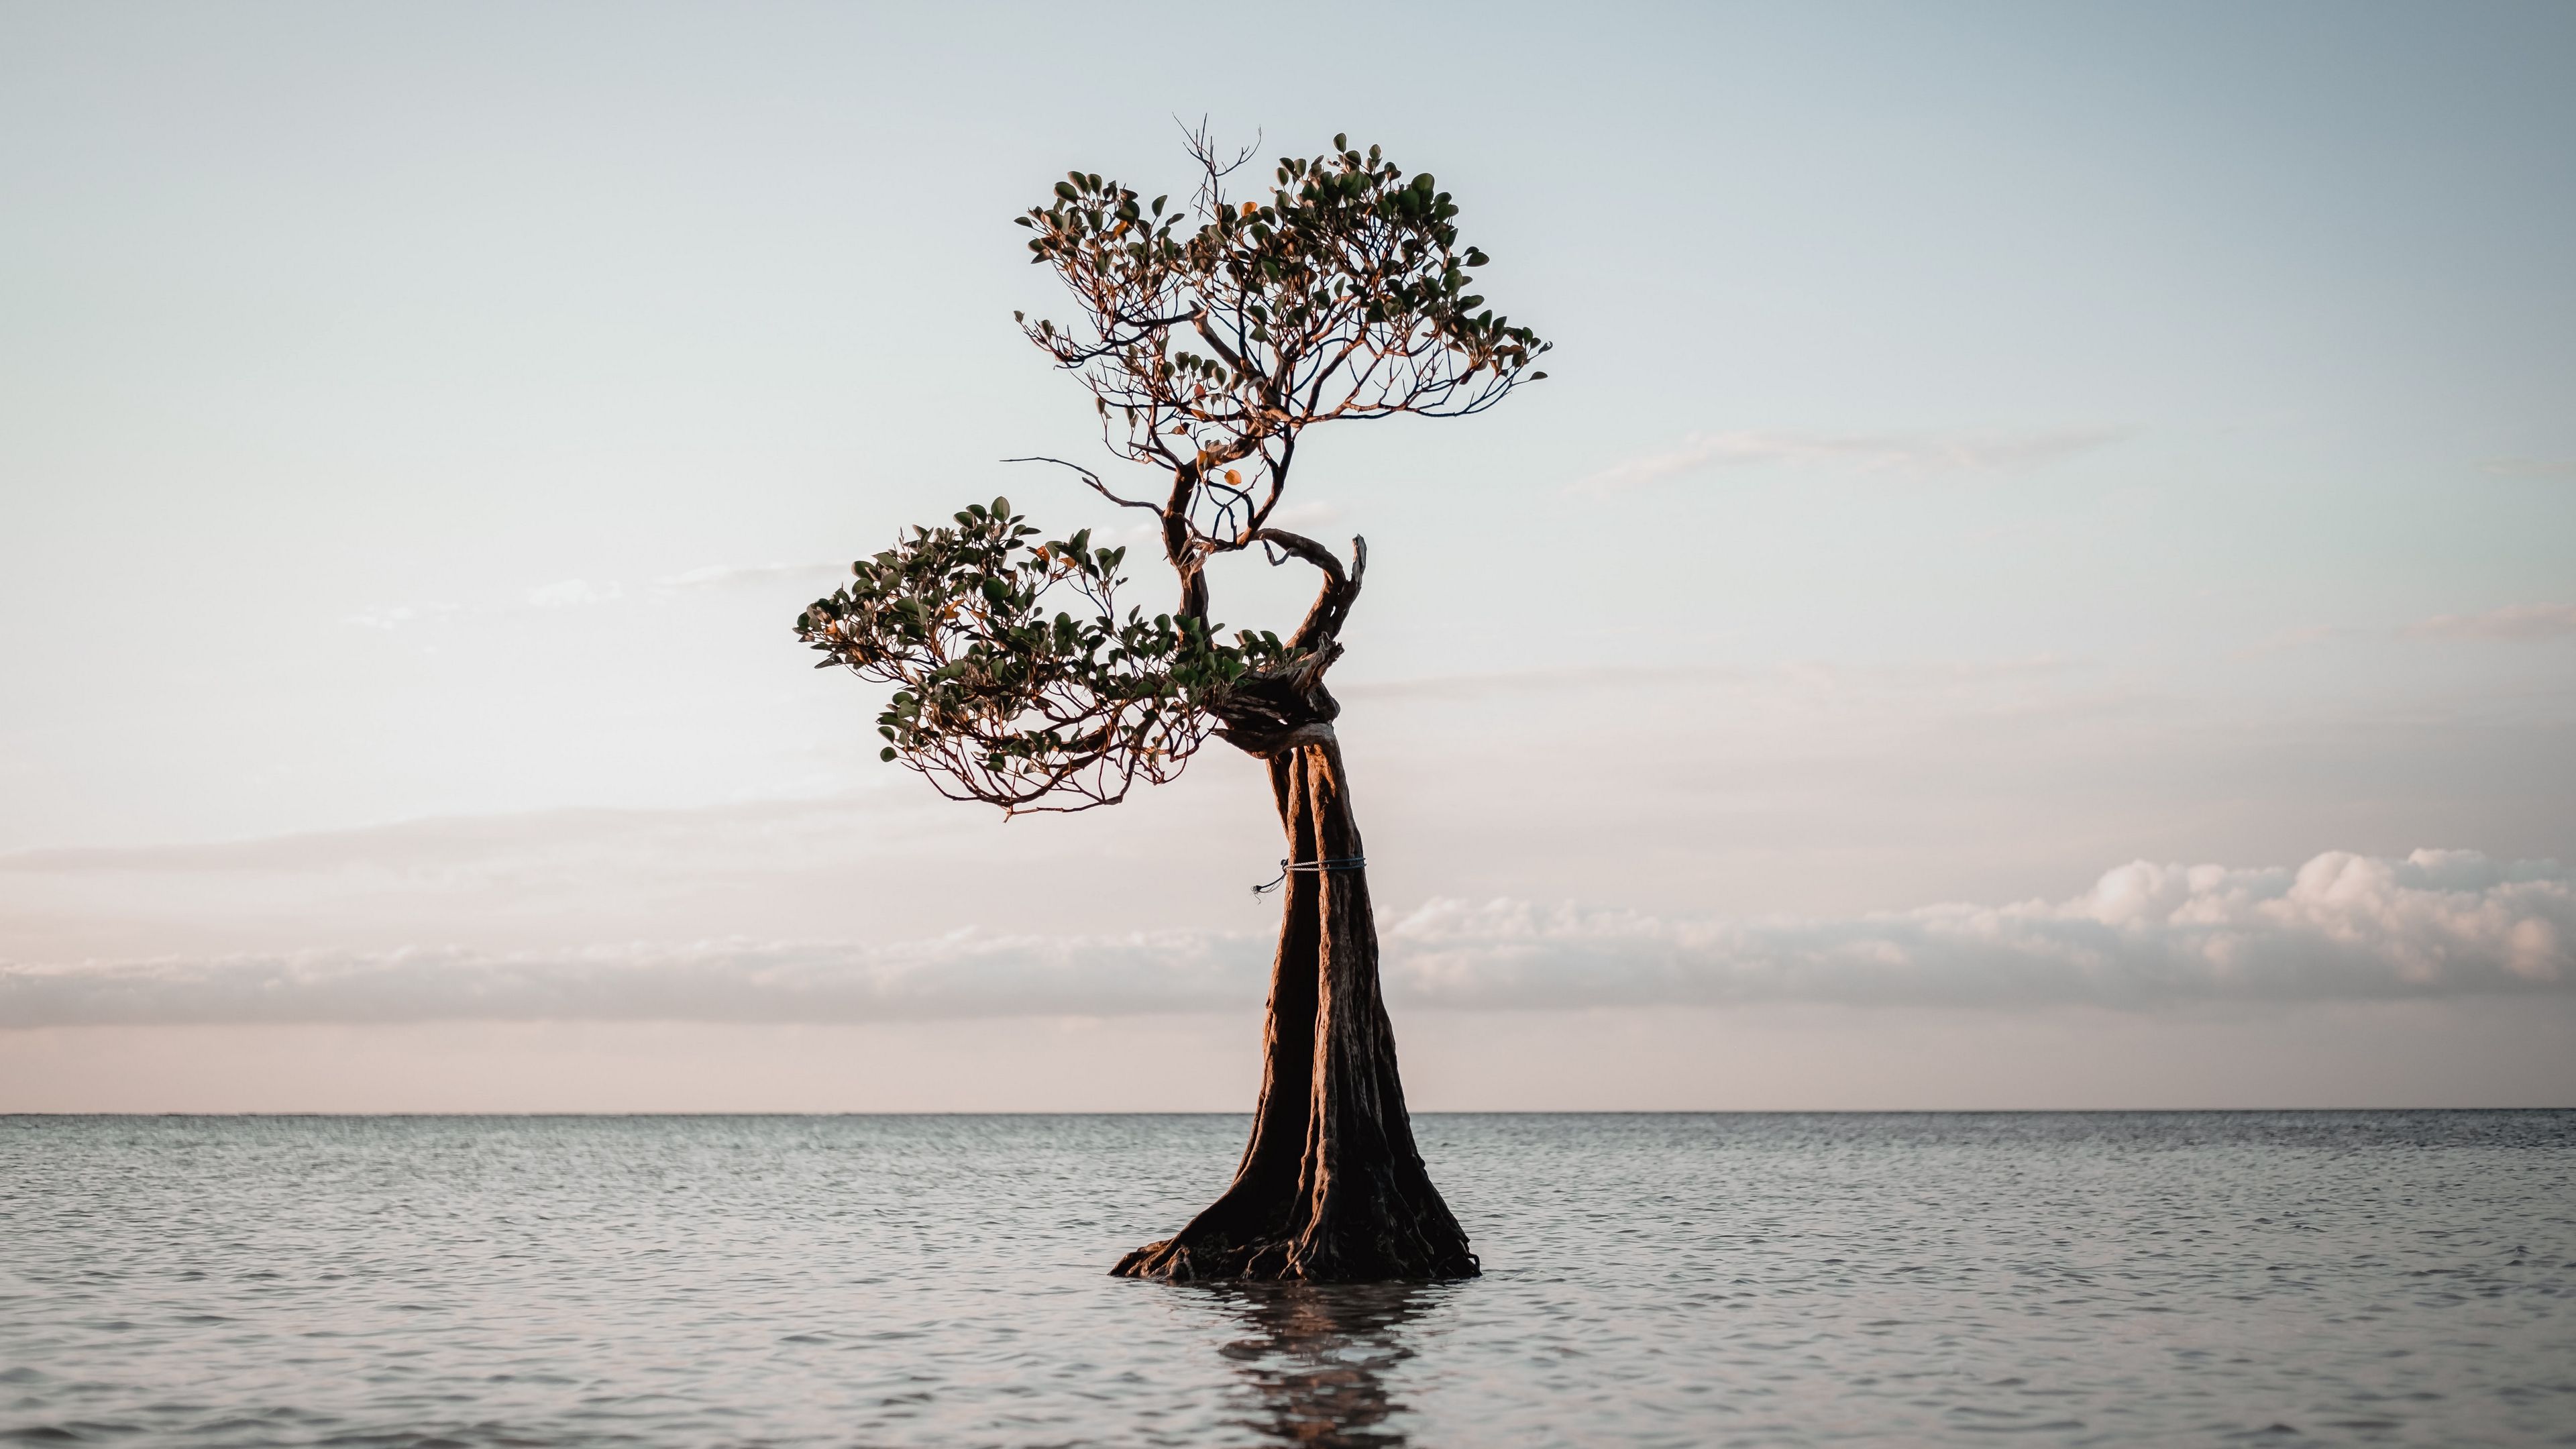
2095 1279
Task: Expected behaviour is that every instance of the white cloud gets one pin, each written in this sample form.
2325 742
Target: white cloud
1878 452
717 576
2289 639
395 616
2341 927
2513 621
965 974
573 593
2526 467
1879 682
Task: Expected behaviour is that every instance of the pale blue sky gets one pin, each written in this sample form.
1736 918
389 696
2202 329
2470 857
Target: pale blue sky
1985 447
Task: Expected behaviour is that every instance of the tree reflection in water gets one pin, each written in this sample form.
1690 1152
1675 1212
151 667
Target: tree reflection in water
1318 1356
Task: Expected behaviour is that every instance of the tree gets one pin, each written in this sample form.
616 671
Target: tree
1210 336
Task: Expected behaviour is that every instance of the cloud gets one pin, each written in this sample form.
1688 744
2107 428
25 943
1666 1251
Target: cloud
1878 681
2341 927
395 616
2513 621
1880 452
961 975
2289 639
582 593
498 842
720 576
573 593
2530 467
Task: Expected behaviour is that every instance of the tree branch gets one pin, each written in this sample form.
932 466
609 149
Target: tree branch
1332 605
1094 480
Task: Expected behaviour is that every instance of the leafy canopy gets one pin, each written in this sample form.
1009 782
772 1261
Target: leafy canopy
1209 336
1213 336
995 699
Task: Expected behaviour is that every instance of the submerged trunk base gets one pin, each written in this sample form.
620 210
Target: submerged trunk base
1331 1188
1380 1247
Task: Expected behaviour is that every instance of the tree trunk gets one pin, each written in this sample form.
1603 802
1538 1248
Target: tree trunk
1331 1188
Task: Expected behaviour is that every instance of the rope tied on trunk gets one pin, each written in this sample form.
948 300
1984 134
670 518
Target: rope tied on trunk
1348 862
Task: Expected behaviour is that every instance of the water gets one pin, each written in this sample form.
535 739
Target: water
1651 1280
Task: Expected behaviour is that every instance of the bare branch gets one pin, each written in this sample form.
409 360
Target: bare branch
1093 479
1332 606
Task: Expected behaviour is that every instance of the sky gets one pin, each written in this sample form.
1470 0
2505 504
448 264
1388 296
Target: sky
2043 574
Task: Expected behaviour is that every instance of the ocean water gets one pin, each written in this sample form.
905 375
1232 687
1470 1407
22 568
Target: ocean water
2341 1278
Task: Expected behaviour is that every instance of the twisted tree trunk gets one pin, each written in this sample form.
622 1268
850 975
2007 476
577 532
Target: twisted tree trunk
1331 1187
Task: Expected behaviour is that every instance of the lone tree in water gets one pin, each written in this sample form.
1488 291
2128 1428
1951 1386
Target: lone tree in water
1211 336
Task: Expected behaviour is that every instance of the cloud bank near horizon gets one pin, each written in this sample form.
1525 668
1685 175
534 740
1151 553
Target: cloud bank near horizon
2513 621
2342 927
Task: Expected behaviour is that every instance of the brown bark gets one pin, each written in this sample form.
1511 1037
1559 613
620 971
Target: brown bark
1331 1187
